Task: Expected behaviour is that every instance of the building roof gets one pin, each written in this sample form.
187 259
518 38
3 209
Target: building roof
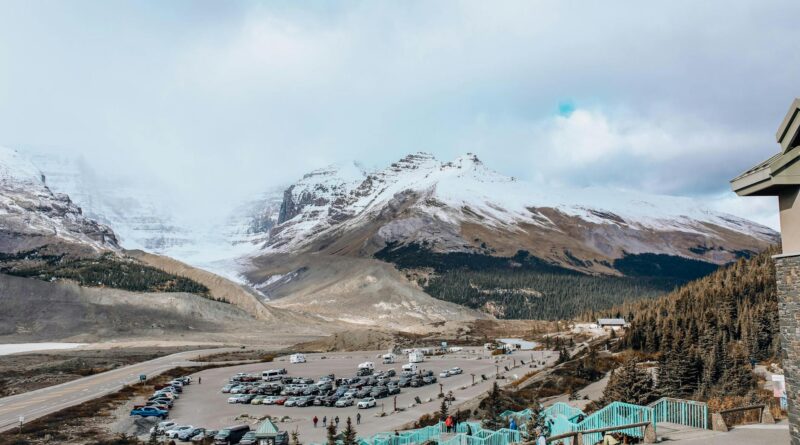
267 428
614 321
769 177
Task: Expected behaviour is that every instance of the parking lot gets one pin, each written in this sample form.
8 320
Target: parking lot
205 405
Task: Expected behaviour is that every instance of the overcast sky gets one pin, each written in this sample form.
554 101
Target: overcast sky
220 99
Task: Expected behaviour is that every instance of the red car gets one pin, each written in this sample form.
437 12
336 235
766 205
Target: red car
281 401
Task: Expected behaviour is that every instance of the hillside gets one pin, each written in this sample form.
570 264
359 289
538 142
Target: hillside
707 330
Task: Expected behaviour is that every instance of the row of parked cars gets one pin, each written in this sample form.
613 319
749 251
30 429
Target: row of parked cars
239 434
162 400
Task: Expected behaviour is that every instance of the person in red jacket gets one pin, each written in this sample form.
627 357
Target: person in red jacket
448 423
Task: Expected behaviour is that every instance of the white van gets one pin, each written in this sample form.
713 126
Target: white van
367 365
416 357
388 358
297 358
271 375
410 367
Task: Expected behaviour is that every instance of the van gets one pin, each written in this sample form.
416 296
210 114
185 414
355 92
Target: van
388 358
231 435
271 375
297 358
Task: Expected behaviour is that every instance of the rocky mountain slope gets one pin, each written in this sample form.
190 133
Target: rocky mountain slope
463 206
32 216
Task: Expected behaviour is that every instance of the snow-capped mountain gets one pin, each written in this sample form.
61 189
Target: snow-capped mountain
32 216
465 206
141 215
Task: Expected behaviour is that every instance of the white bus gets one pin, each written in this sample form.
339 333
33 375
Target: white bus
297 358
416 357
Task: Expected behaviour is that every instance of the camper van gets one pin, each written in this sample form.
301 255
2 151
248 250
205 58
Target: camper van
365 369
416 357
297 358
410 367
388 358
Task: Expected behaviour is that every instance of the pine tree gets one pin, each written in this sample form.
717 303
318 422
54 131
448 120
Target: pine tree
443 411
349 433
493 420
295 437
738 379
538 420
331 433
630 384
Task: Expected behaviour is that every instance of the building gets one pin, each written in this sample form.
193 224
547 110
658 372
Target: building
780 176
611 323
517 344
268 434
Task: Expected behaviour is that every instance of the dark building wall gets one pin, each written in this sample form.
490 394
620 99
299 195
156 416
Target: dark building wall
788 279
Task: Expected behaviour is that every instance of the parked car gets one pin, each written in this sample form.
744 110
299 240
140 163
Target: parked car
187 435
304 401
149 411
258 400
203 435
429 379
456 370
173 432
281 400
292 401
379 392
444 374
249 438
227 388
231 435
365 403
344 401
393 389
162 426
404 382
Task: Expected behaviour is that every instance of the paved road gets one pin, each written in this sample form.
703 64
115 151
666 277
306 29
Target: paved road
44 401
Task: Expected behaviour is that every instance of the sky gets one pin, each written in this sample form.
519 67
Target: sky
217 101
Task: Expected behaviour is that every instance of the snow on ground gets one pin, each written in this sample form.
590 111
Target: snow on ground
6 349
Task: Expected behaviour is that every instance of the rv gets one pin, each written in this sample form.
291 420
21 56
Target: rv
416 357
365 369
388 358
410 368
297 358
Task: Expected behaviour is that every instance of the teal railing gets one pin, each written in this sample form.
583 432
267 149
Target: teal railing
683 412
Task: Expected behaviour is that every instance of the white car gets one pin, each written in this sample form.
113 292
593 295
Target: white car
233 399
455 370
368 402
444 374
291 401
270 400
173 432
162 426
344 401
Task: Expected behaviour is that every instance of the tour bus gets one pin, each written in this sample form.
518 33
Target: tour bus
297 358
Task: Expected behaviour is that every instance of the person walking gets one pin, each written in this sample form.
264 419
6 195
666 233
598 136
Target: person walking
512 425
469 430
199 380
315 420
358 419
324 420
541 440
336 419
448 423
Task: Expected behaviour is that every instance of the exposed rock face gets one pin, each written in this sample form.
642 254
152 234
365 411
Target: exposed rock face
32 216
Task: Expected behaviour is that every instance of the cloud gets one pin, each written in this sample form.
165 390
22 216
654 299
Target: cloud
222 99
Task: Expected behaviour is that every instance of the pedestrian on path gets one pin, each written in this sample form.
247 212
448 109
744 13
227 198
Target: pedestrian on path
512 425
448 423
337 421
315 420
358 419
541 440
199 380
